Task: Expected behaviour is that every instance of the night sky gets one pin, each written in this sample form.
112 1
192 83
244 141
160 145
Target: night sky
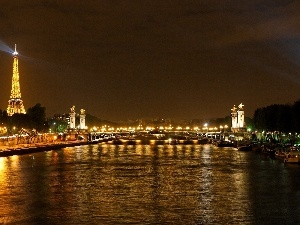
134 59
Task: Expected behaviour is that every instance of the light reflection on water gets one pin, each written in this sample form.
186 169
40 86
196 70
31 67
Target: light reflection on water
143 184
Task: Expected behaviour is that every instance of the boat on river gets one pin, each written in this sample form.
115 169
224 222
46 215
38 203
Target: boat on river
244 148
222 143
292 157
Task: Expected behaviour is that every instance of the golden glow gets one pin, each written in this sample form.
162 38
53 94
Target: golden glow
3 171
15 104
149 128
3 130
169 128
2 164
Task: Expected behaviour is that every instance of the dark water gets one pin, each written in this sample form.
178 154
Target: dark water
143 184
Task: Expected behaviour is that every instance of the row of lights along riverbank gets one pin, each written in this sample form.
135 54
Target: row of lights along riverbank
205 128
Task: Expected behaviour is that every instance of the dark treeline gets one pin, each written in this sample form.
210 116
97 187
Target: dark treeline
35 118
284 118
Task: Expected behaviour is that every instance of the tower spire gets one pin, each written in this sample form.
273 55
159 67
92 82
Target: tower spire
15 103
15 52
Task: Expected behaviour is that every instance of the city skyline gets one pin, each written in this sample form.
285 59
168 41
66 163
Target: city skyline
126 60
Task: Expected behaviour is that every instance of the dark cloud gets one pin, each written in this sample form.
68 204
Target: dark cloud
129 59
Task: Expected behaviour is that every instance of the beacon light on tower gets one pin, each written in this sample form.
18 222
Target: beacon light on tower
15 52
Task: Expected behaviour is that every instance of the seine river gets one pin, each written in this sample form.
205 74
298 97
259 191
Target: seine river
143 184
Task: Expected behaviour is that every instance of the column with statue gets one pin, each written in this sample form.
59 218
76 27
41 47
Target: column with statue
82 119
234 119
241 116
72 118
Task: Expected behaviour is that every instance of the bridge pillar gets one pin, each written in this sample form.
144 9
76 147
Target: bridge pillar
82 119
72 118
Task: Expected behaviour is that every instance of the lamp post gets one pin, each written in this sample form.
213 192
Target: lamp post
225 128
206 127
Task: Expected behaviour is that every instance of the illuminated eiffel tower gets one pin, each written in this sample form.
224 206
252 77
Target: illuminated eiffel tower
15 103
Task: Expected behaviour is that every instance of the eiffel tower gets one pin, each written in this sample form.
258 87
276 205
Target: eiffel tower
15 103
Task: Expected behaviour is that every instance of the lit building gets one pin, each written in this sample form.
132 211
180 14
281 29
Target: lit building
15 103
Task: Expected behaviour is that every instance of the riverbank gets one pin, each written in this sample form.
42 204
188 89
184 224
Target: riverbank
20 149
37 147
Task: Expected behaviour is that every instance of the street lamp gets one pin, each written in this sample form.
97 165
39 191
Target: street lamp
206 127
225 128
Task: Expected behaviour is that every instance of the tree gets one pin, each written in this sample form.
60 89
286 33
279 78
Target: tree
4 117
37 117
58 125
284 118
259 119
296 116
276 117
19 121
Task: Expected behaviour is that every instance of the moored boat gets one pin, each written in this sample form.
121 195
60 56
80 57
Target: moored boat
280 154
244 148
291 158
223 143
